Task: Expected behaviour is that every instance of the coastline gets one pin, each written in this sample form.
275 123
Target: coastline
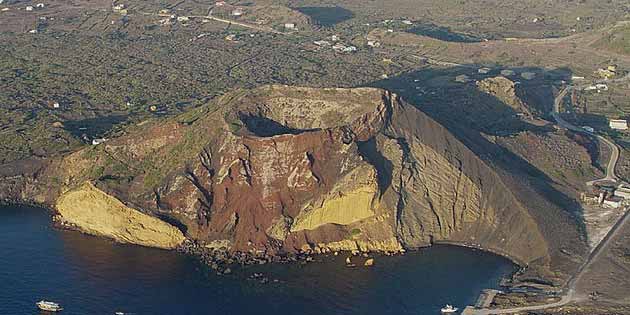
222 261
481 248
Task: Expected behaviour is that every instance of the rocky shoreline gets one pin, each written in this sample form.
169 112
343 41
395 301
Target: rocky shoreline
223 262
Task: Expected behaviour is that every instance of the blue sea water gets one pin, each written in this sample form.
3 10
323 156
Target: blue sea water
91 276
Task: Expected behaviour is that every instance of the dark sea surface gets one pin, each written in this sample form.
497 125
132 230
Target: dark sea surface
93 276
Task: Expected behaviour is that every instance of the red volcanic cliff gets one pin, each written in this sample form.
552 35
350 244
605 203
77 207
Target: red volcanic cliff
279 169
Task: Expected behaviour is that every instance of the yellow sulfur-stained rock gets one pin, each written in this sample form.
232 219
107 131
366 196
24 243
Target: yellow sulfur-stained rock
97 213
352 200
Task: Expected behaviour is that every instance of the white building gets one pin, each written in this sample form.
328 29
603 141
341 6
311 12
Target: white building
98 141
322 43
613 202
462 78
622 192
289 26
29 8
238 12
484 70
601 87
528 75
618 124
590 88
588 128
344 48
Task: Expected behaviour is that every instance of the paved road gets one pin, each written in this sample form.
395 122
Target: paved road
569 291
569 295
209 16
246 25
610 168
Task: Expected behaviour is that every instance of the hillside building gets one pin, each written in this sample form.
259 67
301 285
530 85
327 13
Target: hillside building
613 202
528 75
601 87
618 124
622 192
462 78
484 70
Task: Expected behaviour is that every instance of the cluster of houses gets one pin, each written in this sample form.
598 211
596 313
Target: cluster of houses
608 196
336 46
171 19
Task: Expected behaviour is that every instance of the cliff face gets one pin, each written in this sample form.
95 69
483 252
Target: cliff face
97 213
281 168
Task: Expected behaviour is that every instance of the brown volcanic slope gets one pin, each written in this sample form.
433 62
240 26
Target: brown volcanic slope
278 168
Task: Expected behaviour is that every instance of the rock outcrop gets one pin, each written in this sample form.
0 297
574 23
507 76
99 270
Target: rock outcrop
504 90
95 212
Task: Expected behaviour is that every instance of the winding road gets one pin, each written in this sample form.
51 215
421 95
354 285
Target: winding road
610 168
570 287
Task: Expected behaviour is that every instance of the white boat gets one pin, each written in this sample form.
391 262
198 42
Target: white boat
449 309
49 306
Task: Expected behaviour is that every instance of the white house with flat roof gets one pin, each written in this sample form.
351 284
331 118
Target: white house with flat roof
618 124
622 192
613 202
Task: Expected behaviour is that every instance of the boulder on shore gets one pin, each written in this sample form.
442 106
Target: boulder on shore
369 262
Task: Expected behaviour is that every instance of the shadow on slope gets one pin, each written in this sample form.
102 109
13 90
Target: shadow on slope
477 119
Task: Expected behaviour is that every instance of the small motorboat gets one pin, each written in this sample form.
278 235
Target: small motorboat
49 306
449 309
